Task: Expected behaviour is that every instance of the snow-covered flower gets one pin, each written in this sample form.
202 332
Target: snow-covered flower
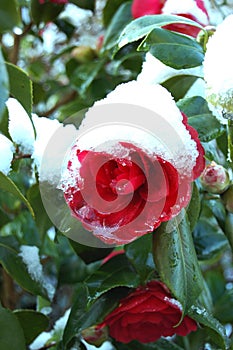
6 154
191 9
132 163
218 72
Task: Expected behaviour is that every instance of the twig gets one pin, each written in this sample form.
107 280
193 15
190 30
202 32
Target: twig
17 39
64 100
45 347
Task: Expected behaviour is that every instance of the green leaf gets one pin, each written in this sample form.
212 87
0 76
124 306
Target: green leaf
174 50
82 316
17 269
89 254
140 255
110 9
194 207
208 236
4 84
120 19
176 261
32 323
9 15
142 26
201 118
215 330
179 85
11 333
46 12
41 217
84 75
117 272
20 86
6 184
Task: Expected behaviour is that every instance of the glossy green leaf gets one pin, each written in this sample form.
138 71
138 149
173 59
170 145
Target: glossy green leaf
201 118
41 217
173 49
46 12
4 84
176 261
194 207
9 15
83 316
17 269
140 255
32 323
6 184
208 236
179 85
20 86
216 331
223 307
11 332
84 75
89 254
229 228
110 9
142 26
117 272
120 19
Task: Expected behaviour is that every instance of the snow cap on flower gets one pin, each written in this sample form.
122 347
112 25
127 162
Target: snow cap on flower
218 72
156 72
6 154
159 100
20 126
193 8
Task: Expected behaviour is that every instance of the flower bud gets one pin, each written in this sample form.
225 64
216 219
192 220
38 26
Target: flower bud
215 178
227 198
83 54
95 335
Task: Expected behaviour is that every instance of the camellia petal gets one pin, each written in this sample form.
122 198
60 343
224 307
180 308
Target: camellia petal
158 320
122 181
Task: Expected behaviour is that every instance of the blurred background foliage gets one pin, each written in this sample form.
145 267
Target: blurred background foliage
57 60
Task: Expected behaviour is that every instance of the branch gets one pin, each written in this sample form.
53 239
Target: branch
63 101
47 346
17 39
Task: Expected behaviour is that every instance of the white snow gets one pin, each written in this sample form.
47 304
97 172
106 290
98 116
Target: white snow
53 139
163 135
156 72
185 7
6 154
218 72
20 126
175 302
57 330
30 257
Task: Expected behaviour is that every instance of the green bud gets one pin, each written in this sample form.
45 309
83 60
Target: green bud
83 54
215 178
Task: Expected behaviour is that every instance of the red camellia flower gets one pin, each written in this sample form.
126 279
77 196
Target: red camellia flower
125 189
191 9
147 314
